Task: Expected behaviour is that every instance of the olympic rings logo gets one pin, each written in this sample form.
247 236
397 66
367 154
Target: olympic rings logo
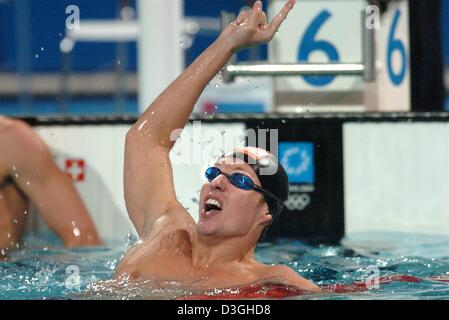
298 201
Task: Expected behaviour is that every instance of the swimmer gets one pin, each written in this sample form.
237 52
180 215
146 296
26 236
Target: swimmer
29 175
237 203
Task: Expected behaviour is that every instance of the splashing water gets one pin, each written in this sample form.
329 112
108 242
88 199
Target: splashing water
86 273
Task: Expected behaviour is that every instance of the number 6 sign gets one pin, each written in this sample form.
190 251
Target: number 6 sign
309 44
319 32
396 45
393 74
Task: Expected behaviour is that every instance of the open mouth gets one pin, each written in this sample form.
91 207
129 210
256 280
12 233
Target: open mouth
212 206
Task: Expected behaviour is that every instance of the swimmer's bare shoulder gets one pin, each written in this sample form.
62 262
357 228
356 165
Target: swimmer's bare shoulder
19 143
19 139
288 276
161 250
4 122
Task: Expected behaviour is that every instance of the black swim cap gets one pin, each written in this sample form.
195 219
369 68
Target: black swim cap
270 172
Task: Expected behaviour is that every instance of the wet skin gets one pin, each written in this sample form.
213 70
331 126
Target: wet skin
28 174
209 254
219 250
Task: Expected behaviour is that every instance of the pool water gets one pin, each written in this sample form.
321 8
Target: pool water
54 272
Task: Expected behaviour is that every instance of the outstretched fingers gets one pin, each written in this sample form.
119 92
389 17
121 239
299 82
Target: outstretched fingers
242 17
280 17
257 16
255 22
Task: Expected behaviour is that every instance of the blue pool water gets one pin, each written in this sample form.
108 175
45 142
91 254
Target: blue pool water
58 273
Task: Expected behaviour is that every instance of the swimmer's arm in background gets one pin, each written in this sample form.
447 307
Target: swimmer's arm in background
34 172
149 187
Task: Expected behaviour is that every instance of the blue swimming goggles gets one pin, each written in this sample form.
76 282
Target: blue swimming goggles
239 180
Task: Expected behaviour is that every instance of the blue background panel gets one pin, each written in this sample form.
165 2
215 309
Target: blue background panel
298 160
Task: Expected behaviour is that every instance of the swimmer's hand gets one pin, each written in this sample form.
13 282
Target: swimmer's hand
251 26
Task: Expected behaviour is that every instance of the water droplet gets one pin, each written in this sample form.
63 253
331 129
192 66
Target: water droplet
76 232
36 56
118 61
283 121
15 221
45 248
111 264
28 183
142 125
9 235
42 48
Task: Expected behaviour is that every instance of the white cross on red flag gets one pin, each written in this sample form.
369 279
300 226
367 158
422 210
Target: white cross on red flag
74 168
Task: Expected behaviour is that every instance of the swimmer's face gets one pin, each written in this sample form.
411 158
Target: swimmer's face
242 211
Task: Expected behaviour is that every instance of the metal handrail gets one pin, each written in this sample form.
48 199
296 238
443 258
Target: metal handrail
291 69
366 68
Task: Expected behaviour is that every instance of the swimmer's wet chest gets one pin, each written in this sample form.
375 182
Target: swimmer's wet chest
174 263
181 270
159 257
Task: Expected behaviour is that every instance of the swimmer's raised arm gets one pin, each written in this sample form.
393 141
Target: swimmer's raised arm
149 188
